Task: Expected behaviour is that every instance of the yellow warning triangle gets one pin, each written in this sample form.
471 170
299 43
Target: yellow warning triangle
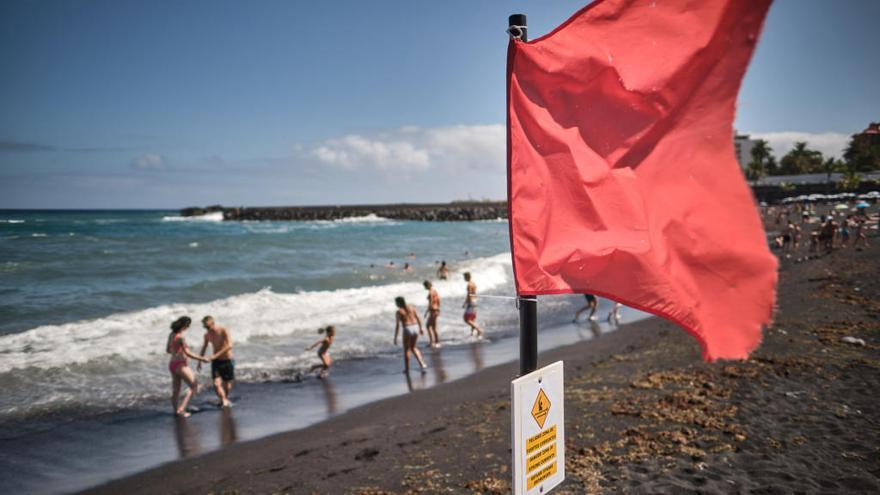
541 408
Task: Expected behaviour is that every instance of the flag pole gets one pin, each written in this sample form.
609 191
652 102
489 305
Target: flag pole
528 305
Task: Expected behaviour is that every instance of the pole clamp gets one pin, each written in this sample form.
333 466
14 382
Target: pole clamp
516 32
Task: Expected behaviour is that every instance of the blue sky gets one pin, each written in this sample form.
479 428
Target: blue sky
118 104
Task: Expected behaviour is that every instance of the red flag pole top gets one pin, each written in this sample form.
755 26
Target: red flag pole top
621 176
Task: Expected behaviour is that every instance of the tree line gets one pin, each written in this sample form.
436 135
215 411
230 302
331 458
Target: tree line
861 155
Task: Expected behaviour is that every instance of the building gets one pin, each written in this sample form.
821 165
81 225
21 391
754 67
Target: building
743 145
871 134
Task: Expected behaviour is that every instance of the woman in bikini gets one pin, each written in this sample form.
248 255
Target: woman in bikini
323 355
407 317
180 371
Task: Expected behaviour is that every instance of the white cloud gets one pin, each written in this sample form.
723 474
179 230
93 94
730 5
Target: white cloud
829 143
148 161
416 149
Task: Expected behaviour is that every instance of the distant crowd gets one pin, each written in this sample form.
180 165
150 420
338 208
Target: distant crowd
801 226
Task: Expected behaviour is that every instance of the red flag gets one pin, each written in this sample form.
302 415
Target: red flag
622 178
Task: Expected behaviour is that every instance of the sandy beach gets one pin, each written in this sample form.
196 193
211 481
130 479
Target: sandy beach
643 415
309 248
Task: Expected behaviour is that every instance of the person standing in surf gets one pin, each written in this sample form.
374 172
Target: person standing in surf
614 314
323 354
222 364
180 370
407 317
443 271
432 314
470 306
592 304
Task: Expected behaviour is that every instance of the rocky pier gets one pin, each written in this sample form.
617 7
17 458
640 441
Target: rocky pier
463 211
441 212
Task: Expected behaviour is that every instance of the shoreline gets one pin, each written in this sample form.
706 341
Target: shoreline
66 455
643 413
358 425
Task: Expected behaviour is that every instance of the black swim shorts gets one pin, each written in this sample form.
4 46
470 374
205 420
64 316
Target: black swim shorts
224 368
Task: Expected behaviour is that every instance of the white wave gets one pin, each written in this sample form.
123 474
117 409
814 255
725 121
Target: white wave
39 235
371 218
193 244
11 221
253 317
121 358
215 216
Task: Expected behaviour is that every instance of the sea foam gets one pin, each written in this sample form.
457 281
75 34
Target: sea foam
122 355
215 216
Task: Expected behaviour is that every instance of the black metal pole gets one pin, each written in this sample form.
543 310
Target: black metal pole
528 305
528 334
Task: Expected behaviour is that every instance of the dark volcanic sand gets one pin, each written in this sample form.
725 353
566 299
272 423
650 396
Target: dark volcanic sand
644 415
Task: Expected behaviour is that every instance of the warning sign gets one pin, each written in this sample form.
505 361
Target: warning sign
538 431
541 408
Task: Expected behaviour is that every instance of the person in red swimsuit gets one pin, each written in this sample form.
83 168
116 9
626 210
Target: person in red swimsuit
180 371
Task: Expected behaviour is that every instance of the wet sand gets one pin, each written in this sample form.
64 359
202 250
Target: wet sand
643 415
60 455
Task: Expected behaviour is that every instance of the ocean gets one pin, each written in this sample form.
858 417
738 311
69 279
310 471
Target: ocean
87 297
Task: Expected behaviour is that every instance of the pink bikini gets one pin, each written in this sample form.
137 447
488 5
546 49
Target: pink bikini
175 364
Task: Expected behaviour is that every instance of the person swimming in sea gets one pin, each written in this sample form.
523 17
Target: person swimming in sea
180 370
407 317
323 354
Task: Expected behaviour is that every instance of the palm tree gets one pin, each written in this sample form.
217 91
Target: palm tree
830 166
762 162
801 160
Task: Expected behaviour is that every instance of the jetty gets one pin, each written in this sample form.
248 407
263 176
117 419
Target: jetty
465 211
457 211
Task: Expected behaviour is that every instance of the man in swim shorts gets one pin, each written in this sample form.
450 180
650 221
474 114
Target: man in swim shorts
470 306
432 313
222 364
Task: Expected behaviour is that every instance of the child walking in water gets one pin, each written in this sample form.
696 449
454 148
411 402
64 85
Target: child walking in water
180 370
323 355
407 317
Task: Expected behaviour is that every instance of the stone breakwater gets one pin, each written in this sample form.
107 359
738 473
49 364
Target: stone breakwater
464 210
445 212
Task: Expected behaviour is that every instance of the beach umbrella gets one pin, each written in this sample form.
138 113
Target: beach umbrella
862 204
841 206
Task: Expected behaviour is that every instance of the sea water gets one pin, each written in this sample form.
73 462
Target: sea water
87 297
